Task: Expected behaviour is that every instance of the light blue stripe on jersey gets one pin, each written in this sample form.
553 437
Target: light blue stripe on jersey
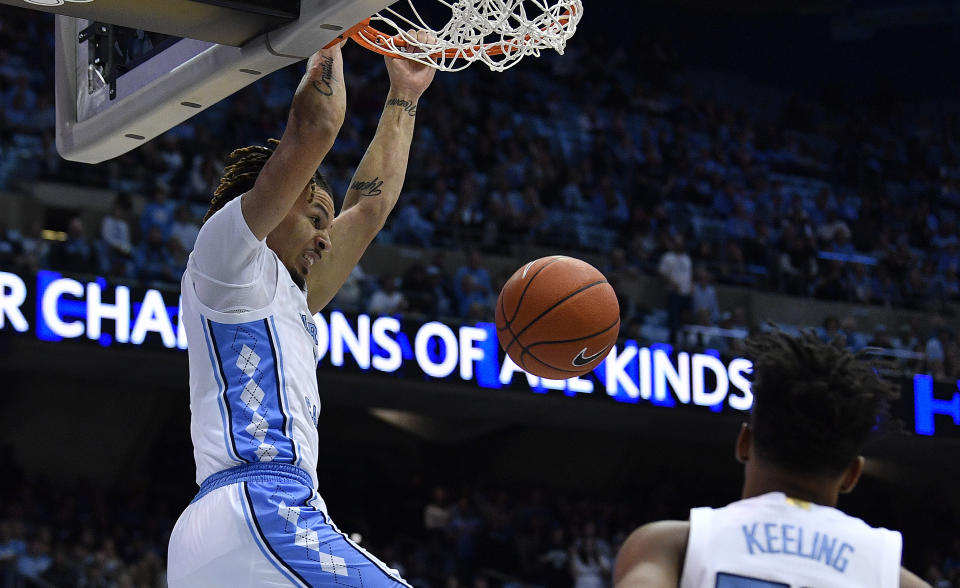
221 398
250 367
283 388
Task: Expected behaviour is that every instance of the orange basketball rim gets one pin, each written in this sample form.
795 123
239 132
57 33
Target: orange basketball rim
496 33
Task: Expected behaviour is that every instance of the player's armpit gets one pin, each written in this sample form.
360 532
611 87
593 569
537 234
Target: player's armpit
910 580
652 557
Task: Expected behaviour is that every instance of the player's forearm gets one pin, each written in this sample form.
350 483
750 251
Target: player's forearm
318 108
379 178
315 117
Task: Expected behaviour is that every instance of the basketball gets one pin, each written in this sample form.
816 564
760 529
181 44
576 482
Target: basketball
557 317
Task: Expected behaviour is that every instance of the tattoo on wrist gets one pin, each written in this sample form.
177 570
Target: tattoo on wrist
326 75
368 187
408 106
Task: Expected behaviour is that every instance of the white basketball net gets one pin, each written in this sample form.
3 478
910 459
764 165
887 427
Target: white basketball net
505 31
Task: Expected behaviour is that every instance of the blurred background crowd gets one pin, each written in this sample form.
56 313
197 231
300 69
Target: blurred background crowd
817 198
830 197
472 536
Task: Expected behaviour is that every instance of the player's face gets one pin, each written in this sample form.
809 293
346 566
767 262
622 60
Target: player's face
303 237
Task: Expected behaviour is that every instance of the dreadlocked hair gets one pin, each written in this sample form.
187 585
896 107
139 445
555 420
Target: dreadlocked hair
243 167
815 402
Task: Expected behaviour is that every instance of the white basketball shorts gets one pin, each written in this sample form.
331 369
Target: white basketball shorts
263 525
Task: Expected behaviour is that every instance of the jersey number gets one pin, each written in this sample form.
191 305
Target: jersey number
733 581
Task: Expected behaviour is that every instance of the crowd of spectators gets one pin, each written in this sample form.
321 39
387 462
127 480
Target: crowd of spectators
840 202
816 203
55 536
150 248
854 204
64 535
526 539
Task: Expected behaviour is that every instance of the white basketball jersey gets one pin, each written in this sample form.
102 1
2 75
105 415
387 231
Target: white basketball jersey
774 541
252 347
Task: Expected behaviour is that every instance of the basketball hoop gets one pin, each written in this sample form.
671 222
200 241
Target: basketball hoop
498 33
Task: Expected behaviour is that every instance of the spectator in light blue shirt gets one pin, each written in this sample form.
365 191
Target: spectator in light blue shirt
411 227
481 285
945 237
823 204
19 103
936 352
740 225
948 285
154 261
12 543
609 204
832 228
949 260
705 295
572 192
859 284
831 330
158 213
885 290
842 244
442 201
184 230
36 560
75 254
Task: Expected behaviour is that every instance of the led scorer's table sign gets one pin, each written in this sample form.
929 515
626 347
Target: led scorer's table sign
65 308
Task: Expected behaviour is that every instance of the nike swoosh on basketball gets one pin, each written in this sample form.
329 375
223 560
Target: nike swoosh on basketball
581 360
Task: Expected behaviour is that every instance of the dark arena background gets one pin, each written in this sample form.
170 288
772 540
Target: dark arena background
804 155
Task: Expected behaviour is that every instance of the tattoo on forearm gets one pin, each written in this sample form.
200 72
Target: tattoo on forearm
326 75
368 187
408 106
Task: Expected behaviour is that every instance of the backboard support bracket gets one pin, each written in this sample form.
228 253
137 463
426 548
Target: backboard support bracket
100 119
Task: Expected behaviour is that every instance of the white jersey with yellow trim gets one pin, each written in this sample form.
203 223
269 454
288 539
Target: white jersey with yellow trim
774 541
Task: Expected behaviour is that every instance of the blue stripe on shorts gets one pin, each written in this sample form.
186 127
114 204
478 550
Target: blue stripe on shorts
304 541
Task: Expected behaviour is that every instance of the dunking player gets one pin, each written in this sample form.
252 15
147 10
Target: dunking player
269 255
814 406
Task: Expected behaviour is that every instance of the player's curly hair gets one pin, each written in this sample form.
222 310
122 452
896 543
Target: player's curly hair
243 167
815 402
